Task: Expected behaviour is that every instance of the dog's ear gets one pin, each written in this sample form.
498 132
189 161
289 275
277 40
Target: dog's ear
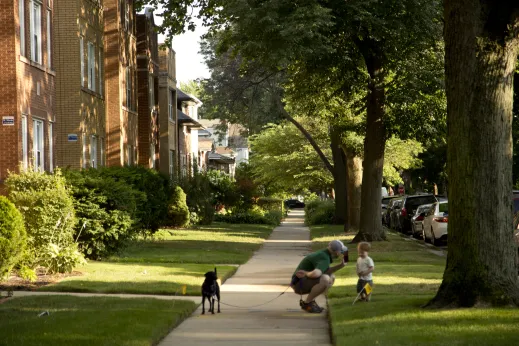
215 274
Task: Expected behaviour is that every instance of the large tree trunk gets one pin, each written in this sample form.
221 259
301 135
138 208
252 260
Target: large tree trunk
481 55
371 195
339 179
354 174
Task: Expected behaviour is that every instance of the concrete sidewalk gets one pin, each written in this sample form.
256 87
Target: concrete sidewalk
264 277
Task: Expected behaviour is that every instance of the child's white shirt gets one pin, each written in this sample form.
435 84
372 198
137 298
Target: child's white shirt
364 264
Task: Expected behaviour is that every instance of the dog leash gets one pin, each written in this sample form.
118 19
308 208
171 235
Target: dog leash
255 306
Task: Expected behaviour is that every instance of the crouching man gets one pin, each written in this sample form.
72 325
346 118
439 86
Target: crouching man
314 276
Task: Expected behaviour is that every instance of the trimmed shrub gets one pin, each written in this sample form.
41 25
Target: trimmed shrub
106 210
47 209
178 212
252 216
152 206
13 238
319 212
200 196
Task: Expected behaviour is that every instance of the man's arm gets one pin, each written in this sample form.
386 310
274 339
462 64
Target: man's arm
339 266
314 274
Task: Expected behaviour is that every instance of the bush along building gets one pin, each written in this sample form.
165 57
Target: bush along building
80 89
27 85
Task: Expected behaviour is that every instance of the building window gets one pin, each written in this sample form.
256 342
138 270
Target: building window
93 152
128 88
130 155
37 142
134 161
151 86
101 70
82 59
91 66
152 155
171 99
36 32
171 162
51 147
49 36
84 139
21 14
25 161
102 149
127 15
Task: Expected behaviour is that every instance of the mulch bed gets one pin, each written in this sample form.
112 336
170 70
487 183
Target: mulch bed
16 283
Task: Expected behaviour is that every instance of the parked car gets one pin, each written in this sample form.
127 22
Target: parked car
386 213
385 204
394 216
435 223
408 209
418 219
294 203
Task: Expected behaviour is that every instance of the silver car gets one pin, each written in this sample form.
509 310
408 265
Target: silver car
418 219
436 222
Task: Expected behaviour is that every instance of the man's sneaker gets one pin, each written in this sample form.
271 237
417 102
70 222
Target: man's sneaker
312 307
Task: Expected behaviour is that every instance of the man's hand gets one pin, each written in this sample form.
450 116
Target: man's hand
344 261
301 274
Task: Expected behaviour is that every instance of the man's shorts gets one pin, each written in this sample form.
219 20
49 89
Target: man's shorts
361 283
305 285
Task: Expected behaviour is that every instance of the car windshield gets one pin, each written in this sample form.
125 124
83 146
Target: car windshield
444 208
413 202
385 201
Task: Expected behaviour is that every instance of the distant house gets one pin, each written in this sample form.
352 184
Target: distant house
188 126
228 139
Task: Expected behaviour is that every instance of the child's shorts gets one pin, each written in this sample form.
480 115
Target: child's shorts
361 283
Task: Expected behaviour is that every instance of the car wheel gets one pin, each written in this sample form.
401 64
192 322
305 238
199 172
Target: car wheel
433 238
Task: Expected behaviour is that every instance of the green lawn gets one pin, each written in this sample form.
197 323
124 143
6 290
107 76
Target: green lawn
164 266
215 244
89 321
406 277
139 278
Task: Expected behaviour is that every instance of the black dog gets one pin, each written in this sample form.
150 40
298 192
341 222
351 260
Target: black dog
210 289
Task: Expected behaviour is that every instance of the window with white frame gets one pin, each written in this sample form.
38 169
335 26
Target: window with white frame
171 162
102 151
101 70
152 155
38 147
51 147
151 86
171 99
49 36
128 88
36 32
82 59
134 162
21 14
84 140
93 151
25 161
91 66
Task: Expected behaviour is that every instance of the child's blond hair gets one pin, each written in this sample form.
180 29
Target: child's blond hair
364 246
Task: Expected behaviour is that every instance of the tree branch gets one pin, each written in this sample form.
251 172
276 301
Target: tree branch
310 139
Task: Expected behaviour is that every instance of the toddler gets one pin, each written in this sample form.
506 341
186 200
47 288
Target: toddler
365 267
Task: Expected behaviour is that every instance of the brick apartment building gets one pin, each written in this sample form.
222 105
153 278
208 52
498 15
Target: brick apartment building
148 85
27 86
168 163
121 83
79 34
188 127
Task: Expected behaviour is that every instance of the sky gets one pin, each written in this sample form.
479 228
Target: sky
190 64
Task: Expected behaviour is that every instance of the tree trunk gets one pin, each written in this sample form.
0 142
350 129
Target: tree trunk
371 195
339 179
481 55
354 173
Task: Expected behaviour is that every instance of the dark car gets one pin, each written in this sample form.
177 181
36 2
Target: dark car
408 210
386 212
394 215
385 204
294 204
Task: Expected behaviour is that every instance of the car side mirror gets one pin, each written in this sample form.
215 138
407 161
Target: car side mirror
422 214
397 208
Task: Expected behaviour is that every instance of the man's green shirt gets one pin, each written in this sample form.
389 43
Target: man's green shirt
317 260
